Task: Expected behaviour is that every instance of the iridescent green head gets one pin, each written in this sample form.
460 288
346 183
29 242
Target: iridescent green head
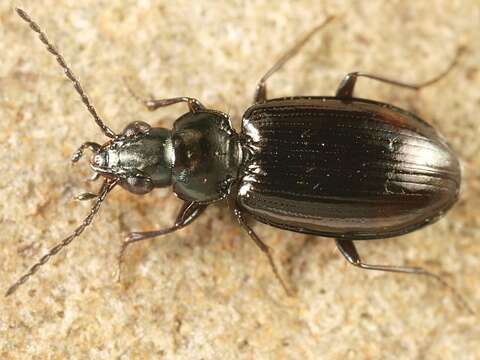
141 158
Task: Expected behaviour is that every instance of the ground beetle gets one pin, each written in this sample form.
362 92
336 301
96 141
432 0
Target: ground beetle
341 167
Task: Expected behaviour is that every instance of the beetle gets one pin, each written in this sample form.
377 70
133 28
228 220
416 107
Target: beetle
334 166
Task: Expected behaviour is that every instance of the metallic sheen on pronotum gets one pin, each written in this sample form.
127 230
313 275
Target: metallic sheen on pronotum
340 167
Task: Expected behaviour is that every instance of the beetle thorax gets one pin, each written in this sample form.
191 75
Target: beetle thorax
206 156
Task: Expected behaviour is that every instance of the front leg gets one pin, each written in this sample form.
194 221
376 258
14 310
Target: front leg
193 104
187 214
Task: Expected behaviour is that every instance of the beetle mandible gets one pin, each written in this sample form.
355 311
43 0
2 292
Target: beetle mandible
335 166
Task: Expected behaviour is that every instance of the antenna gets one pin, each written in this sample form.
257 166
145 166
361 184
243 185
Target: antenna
106 188
68 73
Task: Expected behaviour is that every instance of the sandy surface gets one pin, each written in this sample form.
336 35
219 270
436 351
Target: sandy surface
207 292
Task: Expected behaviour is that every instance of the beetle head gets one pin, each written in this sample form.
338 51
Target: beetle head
140 158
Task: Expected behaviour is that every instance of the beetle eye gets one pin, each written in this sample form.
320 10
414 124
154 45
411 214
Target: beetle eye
135 128
137 185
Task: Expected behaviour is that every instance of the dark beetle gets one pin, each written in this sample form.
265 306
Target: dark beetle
341 167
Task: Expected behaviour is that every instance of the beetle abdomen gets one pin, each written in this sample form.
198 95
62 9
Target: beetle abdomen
355 169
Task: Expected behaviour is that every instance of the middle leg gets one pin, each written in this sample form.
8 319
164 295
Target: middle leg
261 89
263 247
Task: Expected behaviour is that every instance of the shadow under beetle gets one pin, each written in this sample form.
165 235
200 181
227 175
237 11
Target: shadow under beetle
341 167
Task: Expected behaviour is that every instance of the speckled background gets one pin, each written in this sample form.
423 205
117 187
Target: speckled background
207 292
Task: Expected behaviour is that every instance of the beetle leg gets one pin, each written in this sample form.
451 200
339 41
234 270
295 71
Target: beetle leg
193 104
348 250
264 247
94 177
261 89
187 214
347 85
86 196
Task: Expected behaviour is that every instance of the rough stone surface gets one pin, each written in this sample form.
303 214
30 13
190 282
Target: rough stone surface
207 292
